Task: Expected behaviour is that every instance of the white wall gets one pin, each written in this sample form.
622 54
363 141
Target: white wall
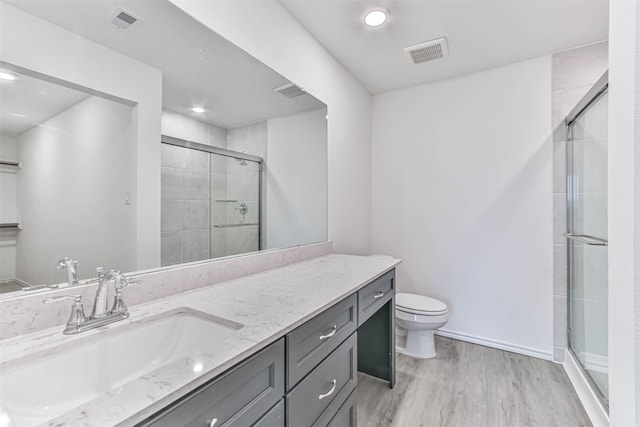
64 55
71 192
297 179
462 193
624 213
8 208
268 32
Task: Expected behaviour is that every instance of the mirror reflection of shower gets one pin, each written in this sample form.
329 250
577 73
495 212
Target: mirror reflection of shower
210 202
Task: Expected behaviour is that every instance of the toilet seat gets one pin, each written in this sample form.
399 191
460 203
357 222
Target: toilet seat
420 305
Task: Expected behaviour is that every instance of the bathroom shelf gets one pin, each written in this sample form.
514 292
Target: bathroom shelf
226 201
11 163
244 224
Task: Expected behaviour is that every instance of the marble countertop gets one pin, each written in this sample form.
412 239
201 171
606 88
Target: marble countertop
268 304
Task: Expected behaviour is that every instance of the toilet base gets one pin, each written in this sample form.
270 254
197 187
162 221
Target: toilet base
419 344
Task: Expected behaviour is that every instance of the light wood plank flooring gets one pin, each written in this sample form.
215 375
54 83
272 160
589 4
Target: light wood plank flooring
468 385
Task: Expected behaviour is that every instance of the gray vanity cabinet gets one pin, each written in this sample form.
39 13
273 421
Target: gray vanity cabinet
375 295
316 400
244 396
347 414
312 342
273 418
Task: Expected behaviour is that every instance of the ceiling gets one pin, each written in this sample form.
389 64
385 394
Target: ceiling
199 67
481 34
29 101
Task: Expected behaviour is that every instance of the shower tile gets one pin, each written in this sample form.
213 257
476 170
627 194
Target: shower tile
558 354
197 161
559 321
581 66
252 214
236 237
171 215
195 215
195 186
217 136
218 186
219 164
218 214
172 156
560 132
171 183
218 242
559 167
559 218
560 270
195 245
171 248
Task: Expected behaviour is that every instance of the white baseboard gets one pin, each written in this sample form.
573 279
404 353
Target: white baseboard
527 351
592 405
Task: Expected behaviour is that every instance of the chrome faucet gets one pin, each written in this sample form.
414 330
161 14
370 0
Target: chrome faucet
72 271
100 303
100 316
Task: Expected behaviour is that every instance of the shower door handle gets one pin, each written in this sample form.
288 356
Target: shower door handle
587 240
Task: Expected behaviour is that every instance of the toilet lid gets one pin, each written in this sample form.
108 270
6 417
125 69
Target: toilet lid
413 303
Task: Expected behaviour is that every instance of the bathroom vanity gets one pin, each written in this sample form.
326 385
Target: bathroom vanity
295 338
307 378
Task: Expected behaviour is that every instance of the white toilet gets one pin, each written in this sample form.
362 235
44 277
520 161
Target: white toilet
417 317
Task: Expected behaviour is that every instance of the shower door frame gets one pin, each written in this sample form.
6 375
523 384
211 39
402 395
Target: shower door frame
592 96
170 140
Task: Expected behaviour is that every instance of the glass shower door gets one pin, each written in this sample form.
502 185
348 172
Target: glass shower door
587 241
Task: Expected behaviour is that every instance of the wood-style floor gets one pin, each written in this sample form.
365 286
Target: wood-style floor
468 385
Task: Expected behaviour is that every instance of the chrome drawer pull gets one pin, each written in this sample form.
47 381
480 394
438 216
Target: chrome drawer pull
330 334
212 422
333 388
378 295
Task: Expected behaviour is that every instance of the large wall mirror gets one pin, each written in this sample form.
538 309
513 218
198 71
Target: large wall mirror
133 137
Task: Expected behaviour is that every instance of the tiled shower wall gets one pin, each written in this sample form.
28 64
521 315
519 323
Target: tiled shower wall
243 185
189 179
196 187
574 72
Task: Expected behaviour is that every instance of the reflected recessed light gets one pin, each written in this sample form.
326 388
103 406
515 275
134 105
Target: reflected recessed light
8 75
375 17
197 110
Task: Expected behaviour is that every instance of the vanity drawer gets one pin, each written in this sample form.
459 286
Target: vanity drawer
375 295
237 398
326 386
310 343
347 414
273 418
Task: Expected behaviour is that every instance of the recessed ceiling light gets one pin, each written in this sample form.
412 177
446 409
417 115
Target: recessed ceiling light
197 110
8 75
375 17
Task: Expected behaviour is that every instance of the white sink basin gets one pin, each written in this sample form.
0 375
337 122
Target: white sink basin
33 393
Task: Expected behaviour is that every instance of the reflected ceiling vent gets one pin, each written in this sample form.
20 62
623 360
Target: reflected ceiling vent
124 19
290 90
427 51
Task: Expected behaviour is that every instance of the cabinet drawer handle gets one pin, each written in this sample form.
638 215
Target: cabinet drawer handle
330 392
212 422
379 294
330 334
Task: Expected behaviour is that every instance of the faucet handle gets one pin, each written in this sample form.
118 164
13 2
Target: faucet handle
77 317
62 264
77 299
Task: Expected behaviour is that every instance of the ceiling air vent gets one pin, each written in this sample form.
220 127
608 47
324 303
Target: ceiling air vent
123 19
290 90
427 51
